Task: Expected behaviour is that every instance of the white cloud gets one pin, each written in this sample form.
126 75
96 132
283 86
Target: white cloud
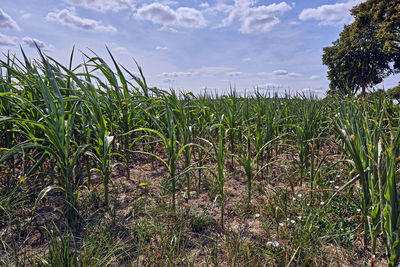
234 73
6 22
103 5
169 3
204 5
280 72
31 43
269 86
68 18
212 71
315 77
252 18
176 74
168 29
262 73
8 41
294 74
263 18
190 18
334 14
157 13
202 72
166 16
168 80
284 73
114 47
26 15
161 48
246 59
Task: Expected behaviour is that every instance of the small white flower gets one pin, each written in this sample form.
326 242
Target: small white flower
299 217
173 240
257 215
273 243
293 221
299 195
336 187
358 210
308 204
331 181
281 224
322 203
338 176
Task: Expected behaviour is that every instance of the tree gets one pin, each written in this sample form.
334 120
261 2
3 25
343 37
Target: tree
367 50
385 14
394 92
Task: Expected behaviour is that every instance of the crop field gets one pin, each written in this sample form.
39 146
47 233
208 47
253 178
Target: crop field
99 169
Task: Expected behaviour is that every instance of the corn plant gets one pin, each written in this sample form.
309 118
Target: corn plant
185 130
100 134
219 153
7 136
168 139
249 162
352 126
371 143
384 164
232 107
267 121
117 103
202 119
307 133
389 200
57 124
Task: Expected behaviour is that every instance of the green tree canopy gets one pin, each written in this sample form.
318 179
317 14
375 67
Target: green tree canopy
385 14
367 50
394 92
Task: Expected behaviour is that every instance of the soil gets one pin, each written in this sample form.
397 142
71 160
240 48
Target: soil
147 185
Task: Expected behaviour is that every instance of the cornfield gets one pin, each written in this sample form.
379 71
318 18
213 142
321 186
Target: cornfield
104 170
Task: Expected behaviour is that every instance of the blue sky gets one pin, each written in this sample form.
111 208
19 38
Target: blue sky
189 45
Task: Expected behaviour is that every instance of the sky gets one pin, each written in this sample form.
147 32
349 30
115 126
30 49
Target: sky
189 45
